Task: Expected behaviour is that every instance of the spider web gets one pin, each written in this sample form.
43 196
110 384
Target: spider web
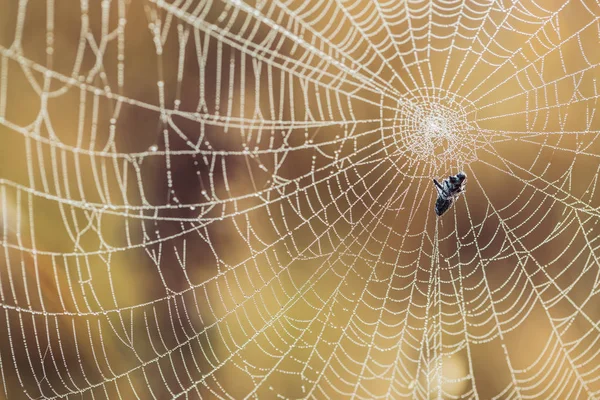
234 199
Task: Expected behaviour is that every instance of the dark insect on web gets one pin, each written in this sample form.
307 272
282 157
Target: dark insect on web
448 192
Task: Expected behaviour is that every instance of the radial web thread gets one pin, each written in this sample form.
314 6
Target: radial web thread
234 199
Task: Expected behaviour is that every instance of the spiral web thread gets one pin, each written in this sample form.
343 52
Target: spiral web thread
231 199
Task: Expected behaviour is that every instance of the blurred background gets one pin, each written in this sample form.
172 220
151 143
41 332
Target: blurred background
230 199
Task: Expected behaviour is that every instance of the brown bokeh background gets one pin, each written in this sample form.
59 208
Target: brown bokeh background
229 199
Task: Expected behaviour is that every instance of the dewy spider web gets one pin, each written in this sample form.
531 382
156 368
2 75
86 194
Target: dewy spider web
234 199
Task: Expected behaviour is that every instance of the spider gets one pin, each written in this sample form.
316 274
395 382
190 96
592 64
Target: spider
448 192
